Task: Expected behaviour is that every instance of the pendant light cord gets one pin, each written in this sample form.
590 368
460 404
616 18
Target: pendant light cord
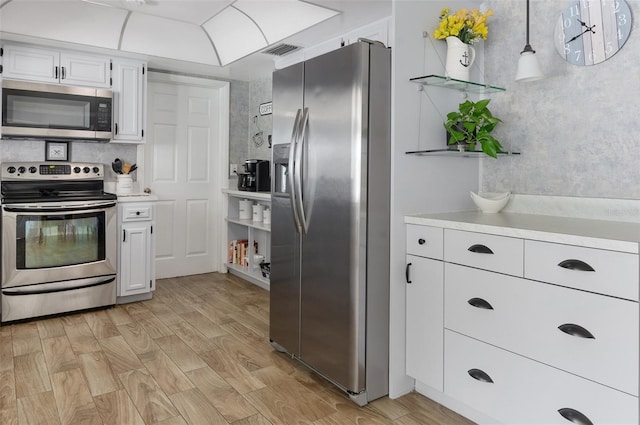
527 47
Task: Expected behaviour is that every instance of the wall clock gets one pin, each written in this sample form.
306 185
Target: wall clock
56 151
589 32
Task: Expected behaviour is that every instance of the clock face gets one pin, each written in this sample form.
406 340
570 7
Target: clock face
589 32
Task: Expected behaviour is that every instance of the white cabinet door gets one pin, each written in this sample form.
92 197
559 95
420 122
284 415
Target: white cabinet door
129 88
55 66
425 321
79 69
30 63
135 259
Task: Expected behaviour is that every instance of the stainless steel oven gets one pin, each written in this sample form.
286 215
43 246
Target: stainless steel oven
58 239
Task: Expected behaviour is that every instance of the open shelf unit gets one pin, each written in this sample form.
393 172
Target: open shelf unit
254 232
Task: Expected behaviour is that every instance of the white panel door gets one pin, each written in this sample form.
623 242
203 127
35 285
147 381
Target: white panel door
187 136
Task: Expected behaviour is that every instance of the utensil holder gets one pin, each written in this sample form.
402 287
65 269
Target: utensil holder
124 184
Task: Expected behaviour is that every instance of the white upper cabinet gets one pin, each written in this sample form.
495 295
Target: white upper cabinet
129 94
55 66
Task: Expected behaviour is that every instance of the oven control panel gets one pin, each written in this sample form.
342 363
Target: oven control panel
51 170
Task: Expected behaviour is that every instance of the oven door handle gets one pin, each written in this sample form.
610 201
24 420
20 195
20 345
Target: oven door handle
56 208
67 285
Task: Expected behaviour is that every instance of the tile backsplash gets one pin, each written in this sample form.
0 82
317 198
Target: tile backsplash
105 153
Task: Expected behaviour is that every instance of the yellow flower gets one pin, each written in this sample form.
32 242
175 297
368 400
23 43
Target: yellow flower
468 25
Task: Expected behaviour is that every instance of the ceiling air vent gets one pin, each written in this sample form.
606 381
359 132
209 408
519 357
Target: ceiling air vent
281 49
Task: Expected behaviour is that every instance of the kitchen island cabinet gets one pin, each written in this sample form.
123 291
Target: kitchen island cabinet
136 254
540 322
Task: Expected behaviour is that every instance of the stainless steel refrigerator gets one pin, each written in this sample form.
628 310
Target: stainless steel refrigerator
330 216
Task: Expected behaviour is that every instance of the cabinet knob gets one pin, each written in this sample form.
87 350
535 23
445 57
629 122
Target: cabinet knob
480 375
137 212
573 264
421 241
574 416
480 303
480 249
576 330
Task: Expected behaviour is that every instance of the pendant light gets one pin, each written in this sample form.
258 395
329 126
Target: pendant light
528 66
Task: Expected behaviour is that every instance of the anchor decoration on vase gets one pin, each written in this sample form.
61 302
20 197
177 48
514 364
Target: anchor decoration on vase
460 30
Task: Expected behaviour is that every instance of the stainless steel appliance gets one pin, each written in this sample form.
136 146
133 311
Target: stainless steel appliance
256 177
47 111
329 285
58 239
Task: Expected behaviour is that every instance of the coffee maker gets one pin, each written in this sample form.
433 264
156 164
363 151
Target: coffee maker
256 176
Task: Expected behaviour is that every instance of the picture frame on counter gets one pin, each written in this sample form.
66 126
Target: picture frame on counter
56 151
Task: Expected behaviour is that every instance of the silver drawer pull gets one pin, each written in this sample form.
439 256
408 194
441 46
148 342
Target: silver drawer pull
480 303
576 265
574 416
480 249
576 330
480 375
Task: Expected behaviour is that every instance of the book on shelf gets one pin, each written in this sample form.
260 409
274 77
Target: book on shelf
239 252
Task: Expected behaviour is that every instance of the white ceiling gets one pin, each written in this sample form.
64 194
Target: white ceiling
169 33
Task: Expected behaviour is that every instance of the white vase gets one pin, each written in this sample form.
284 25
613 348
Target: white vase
460 57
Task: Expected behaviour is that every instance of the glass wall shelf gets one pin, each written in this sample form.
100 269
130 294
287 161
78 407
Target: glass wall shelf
456 152
460 85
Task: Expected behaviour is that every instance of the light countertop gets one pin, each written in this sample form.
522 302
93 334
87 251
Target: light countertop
603 234
137 197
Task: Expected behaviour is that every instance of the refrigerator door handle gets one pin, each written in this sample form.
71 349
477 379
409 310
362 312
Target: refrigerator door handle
290 171
298 170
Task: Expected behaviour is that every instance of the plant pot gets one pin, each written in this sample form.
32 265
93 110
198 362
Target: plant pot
460 57
461 144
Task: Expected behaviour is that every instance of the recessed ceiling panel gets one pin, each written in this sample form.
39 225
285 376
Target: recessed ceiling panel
152 35
234 35
193 11
66 20
280 19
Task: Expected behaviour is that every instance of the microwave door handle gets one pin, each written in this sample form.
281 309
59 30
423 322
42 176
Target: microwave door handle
298 169
290 172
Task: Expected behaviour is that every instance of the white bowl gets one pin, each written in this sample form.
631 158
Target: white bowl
490 202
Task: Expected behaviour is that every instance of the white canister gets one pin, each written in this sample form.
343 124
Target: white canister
124 184
266 216
245 209
257 212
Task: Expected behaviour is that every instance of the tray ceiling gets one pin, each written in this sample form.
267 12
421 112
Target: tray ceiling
201 31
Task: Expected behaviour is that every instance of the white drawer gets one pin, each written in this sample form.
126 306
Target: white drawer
424 241
594 270
526 317
498 253
524 391
137 212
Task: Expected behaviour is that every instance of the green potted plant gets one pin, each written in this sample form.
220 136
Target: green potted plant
472 124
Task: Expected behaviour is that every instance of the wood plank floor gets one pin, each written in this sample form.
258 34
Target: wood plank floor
198 353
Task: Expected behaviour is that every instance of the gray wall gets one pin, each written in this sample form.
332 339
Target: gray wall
245 121
577 129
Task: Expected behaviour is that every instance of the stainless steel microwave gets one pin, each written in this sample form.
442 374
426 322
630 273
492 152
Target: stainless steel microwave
48 111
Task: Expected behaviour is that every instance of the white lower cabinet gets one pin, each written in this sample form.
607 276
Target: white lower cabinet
136 259
425 287
516 390
524 331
